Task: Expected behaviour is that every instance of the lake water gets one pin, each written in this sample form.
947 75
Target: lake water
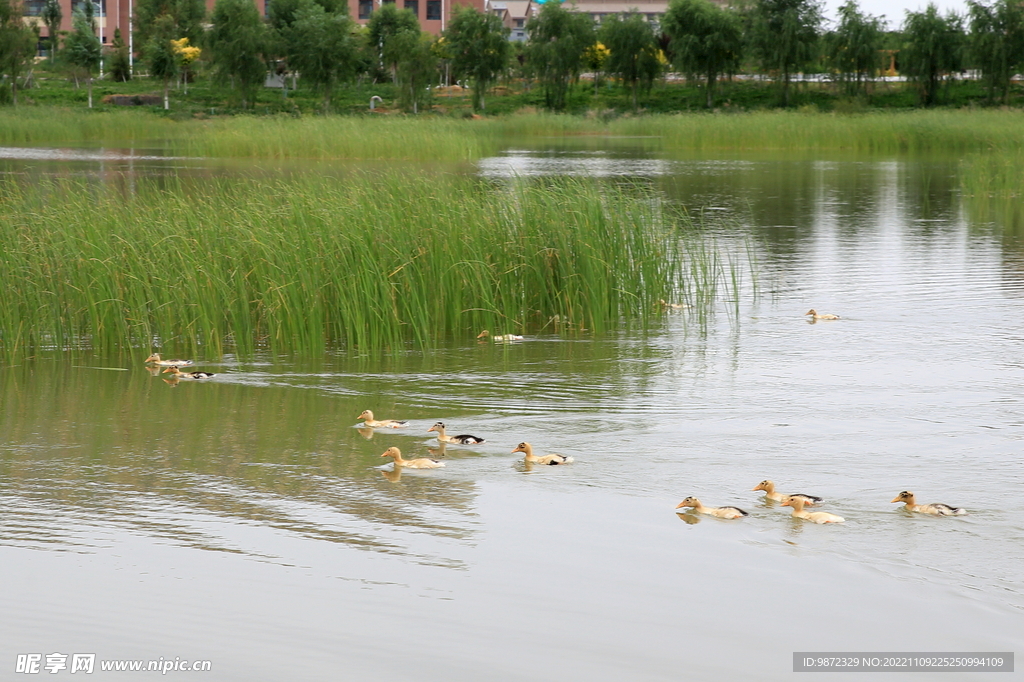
246 521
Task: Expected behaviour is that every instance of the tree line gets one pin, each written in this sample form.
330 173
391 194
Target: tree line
704 41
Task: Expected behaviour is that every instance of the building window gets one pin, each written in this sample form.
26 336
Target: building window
433 10
520 22
365 8
33 8
413 6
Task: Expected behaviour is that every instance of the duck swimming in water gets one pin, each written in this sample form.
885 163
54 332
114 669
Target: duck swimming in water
769 492
720 512
815 316
421 463
936 509
531 458
368 420
500 338
178 374
155 359
464 439
797 503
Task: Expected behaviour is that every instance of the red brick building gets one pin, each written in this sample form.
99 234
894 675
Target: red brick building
433 14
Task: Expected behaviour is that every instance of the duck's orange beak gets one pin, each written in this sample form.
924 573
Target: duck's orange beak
787 502
897 499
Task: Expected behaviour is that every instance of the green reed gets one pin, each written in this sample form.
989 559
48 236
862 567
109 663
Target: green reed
993 189
450 139
55 125
375 262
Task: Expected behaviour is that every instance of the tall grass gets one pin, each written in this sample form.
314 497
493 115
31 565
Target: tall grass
338 138
993 188
300 266
55 125
911 131
440 138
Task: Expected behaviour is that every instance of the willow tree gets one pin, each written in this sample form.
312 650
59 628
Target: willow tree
160 55
52 16
238 41
120 67
415 68
933 48
784 34
385 25
82 48
479 48
558 40
188 17
322 46
853 47
17 44
705 40
633 51
996 43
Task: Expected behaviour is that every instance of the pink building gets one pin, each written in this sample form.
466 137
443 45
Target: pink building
434 15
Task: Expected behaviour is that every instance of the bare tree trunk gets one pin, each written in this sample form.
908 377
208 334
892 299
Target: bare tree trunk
90 90
167 85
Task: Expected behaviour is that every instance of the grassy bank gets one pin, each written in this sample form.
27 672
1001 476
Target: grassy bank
443 138
993 189
378 262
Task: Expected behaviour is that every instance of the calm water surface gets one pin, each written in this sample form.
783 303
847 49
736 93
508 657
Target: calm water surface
247 521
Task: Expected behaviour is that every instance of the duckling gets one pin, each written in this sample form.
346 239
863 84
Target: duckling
177 373
797 503
464 439
769 492
546 459
500 338
937 509
368 420
665 305
720 512
421 463
815 316
155 359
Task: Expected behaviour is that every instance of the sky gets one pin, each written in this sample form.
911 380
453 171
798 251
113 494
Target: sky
894 10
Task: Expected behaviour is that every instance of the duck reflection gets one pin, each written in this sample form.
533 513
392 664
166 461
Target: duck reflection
688 517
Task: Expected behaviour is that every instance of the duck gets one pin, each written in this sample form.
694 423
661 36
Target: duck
464 439
531 458
937 509
720 512
797 503
769 492
421 463
665 305
815 316
368 420
155 359
178 374
499 338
